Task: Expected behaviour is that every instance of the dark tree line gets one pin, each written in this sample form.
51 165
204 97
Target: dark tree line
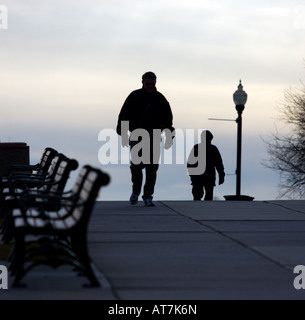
287 150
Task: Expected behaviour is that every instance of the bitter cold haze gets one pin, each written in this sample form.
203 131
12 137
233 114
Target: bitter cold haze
67 67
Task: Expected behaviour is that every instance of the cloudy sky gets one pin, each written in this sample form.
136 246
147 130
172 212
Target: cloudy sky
67 67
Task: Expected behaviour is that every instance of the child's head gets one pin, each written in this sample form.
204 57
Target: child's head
209 137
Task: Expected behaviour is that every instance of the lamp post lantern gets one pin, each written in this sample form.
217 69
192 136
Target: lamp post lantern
240 99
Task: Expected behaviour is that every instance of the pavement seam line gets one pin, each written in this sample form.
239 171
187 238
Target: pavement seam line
103 281
279 264
282 206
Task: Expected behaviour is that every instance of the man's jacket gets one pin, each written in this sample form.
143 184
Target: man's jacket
146 110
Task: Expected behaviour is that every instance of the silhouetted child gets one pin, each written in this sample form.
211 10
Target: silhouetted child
205 153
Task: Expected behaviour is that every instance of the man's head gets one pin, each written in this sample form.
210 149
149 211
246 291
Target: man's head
149 80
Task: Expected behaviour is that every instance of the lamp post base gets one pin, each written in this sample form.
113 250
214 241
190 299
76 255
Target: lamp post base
238 198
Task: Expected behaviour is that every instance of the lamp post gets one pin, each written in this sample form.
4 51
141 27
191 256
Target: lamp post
240 99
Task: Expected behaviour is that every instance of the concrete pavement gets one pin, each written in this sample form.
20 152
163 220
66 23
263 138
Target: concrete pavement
183 250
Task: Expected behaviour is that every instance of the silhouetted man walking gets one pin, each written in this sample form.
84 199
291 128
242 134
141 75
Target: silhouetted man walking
145 114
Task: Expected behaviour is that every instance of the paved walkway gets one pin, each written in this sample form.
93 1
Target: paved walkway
184 250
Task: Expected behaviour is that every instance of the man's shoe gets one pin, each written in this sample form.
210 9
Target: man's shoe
133 198
148 202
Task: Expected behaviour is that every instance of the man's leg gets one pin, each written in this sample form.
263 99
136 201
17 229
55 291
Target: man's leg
136 177
151 170
136 173
151 177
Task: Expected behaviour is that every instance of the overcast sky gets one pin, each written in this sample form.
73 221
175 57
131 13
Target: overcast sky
67 67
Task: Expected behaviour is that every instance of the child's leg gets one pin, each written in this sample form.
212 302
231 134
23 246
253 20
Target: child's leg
197 191
209 192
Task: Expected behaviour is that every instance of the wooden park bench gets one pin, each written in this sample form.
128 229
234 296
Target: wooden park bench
31 188
60 236
41 168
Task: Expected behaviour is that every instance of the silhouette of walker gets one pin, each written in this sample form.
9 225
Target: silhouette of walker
145 110
205 152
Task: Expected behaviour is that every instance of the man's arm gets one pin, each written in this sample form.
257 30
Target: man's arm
123 122
167 125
